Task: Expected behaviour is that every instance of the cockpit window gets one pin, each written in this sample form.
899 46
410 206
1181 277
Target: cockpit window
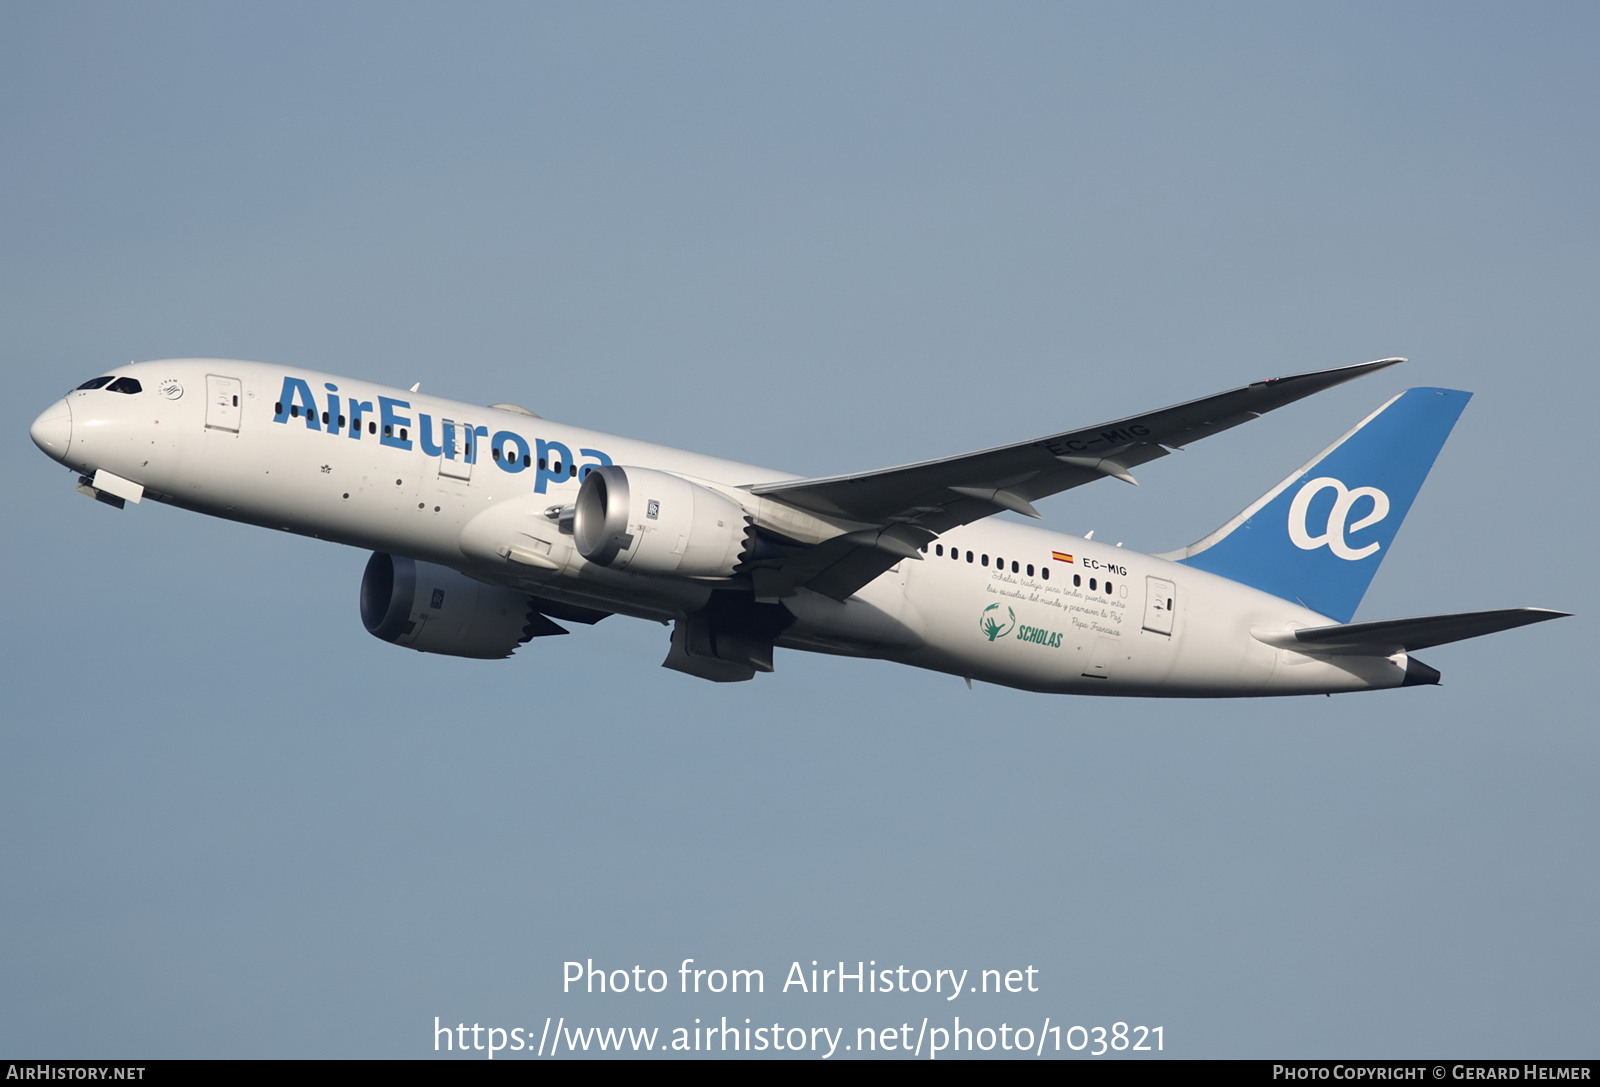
125 385
94 382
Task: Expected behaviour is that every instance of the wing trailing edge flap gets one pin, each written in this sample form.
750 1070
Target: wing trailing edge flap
1389 636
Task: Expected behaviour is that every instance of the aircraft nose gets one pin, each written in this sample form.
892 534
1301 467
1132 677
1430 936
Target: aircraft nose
52 431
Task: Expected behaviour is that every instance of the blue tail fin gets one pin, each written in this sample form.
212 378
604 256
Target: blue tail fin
1319 536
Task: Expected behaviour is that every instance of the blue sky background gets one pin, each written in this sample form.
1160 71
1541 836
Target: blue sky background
824 238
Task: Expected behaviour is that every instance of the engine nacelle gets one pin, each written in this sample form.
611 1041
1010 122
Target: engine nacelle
653 522
434 609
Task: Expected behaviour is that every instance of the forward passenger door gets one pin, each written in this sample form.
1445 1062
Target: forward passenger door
222 403
458 437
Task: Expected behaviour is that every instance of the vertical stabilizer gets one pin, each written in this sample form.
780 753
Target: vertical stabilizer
1319 536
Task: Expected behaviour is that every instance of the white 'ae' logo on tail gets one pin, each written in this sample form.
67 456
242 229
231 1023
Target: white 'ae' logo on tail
1333 535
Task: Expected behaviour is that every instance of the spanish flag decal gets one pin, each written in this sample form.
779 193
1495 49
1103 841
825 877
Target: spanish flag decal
1061 556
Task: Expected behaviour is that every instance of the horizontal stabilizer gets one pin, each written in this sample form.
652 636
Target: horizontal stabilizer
1388 636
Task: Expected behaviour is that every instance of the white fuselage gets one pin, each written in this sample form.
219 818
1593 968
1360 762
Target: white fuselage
445 482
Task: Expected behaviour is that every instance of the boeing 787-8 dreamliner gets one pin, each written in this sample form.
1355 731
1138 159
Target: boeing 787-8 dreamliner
490 526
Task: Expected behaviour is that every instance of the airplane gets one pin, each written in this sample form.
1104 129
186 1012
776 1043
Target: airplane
490 526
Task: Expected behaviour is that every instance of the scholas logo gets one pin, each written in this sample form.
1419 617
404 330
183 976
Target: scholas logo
552 462
1051 639
993 624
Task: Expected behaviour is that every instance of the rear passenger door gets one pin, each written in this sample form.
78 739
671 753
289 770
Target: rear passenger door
1160 598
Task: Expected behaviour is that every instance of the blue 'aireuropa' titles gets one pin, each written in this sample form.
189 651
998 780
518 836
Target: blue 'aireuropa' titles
1319 536
552 462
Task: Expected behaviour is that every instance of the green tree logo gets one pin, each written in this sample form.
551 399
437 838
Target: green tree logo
991 623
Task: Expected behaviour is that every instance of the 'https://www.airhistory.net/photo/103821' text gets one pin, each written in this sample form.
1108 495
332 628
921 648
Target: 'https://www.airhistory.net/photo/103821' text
716 1032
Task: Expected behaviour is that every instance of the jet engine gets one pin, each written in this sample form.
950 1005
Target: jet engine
651 522
434 609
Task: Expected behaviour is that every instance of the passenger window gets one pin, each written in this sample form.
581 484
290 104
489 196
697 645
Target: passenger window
388 431
1077 579
572 470
372 428
986 560
324 418
95 383
969 556
1046 573
1030 569
294 410
1091 585
1014 566
938 549
125 385
525 460
1108 586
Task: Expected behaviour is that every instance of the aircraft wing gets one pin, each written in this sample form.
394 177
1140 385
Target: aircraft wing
914 503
